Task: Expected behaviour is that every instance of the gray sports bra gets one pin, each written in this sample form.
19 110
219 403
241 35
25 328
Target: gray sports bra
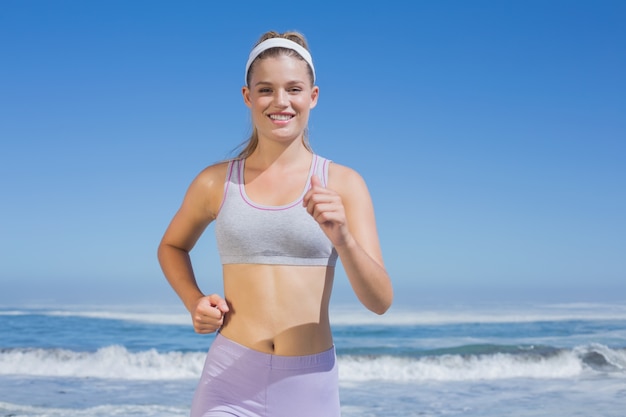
251 233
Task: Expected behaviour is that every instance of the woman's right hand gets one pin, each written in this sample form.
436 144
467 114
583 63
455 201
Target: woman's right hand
208 314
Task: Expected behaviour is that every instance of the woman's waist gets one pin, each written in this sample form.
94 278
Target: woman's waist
284 337
258 359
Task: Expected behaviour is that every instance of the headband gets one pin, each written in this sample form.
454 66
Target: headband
279 43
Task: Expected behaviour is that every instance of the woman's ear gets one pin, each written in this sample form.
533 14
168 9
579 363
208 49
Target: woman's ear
315 93
245 92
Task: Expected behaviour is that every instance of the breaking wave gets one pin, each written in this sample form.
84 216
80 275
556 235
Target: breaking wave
117 362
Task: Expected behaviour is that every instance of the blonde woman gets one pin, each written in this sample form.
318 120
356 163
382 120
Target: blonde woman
283 216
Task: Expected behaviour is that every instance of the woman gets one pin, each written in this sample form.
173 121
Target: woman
282 217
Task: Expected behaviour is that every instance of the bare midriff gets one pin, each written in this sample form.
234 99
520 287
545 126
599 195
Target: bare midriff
278 309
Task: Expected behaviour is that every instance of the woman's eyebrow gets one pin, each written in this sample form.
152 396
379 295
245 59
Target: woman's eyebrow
292 82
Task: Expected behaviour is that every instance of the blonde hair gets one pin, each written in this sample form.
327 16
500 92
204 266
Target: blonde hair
250 145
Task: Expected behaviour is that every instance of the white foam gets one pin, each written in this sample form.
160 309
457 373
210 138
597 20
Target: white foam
458 368
116 362
151 318
141 317
112 362
358 315
98 411
614 358
530 314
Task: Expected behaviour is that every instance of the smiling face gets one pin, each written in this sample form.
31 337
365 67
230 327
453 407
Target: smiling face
280 97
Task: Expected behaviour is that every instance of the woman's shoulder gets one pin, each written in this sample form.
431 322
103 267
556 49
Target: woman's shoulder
343 172
214 174
342 177
213 177
207 188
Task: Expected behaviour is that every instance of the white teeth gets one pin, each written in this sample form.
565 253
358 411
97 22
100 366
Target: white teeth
280 116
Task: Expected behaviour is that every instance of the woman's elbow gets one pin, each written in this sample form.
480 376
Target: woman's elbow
383 303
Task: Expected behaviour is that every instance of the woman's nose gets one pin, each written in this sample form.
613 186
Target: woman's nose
281 97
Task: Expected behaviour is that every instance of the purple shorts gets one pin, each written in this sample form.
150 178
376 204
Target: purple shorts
238 381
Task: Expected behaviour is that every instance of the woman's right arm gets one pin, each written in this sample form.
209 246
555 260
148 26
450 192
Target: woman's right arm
199 208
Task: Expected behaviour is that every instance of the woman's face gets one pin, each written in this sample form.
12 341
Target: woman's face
280 97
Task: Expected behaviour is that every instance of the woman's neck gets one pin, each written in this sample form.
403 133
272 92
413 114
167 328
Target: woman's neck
271 153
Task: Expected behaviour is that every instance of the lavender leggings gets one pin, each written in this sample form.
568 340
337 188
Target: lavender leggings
238 381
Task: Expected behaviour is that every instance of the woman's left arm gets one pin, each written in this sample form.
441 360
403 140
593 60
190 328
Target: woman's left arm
345 213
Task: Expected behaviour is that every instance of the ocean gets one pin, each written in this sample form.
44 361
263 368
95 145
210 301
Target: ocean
522 361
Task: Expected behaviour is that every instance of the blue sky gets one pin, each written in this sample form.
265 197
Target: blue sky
492 136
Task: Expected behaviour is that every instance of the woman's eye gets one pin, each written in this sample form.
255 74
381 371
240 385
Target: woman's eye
264 90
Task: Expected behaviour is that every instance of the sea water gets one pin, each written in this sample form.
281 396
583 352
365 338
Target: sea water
549 360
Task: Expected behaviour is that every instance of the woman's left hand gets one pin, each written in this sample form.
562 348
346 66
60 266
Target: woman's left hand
327 209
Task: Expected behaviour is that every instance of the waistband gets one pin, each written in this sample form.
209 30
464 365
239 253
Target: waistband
243 353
